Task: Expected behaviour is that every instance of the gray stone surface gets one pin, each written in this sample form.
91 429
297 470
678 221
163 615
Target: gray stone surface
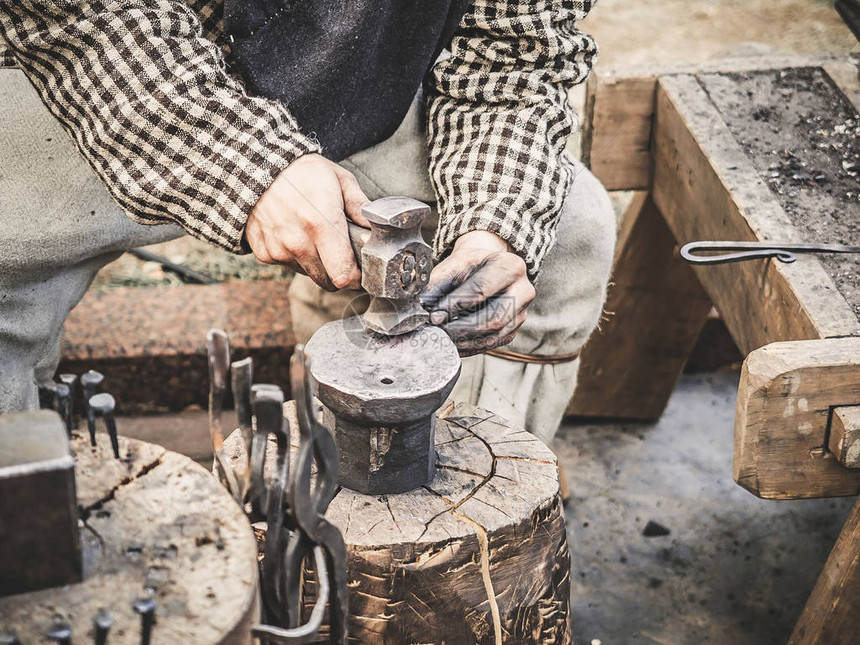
733 569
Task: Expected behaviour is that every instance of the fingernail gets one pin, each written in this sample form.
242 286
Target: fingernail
438 317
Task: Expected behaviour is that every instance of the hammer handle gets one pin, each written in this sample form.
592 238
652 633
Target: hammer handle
358 236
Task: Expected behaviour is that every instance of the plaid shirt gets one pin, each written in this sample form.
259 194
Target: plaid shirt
144 91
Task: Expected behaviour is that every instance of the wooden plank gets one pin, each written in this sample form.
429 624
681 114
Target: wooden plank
845 73
832 613
617 131
785 396
656 309
844 439
619 110
706 188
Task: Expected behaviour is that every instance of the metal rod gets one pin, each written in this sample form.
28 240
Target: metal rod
218 346
740 251
187 275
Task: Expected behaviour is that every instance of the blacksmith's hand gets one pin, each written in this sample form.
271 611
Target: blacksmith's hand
300 221
479 294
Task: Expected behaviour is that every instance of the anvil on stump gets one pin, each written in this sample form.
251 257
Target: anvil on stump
478 555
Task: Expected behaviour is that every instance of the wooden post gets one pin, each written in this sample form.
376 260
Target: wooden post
832 613
844 441
655 311
785 396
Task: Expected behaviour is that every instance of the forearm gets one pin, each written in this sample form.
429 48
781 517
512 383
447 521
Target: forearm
498 122
146 99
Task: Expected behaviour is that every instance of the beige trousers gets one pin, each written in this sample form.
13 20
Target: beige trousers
570 288
58 227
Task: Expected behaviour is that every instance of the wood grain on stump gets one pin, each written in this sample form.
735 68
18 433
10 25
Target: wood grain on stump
154 523
479 555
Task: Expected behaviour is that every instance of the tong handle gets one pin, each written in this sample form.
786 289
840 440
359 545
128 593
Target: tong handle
740 251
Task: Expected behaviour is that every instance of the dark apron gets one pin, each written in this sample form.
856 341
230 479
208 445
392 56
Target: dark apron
346 69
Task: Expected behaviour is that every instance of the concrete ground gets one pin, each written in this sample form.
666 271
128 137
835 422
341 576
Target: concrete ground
733 568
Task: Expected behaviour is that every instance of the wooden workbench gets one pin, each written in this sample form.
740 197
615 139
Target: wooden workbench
757 150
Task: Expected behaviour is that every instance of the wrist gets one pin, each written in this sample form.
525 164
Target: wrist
482 240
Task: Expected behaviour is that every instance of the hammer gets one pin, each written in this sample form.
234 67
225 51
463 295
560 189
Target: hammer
395 263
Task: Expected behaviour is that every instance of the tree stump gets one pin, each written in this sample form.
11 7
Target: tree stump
479 555
153 524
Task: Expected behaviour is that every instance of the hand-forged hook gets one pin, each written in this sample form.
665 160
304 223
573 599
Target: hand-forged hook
306 633
740 251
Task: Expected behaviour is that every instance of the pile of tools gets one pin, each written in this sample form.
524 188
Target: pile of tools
292 502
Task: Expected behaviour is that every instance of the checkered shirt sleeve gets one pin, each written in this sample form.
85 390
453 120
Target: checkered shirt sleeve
145 96
499 119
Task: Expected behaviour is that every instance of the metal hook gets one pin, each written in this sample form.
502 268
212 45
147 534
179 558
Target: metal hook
740 251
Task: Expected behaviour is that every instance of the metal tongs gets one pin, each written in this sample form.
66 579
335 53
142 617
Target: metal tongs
293 502
308 498
740 251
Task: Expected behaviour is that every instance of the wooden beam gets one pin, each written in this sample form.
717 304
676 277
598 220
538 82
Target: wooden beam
617 130
655 311
785 396
832 613
707 188
844 440
845 73
619 109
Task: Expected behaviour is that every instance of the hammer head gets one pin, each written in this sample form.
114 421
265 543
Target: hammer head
395 261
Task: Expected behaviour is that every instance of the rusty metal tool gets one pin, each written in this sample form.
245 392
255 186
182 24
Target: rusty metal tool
308 504
40 543
384 375
395 263
91 382
145 607
306 633
269 414
64 406
383 392
60 632
70 380
308 500
48 396
242 378
261 393
104 405
740 251
218 345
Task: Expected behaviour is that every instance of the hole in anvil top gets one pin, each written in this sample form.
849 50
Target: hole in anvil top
385 380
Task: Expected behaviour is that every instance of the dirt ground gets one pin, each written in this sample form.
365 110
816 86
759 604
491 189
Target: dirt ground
671 31
628 32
